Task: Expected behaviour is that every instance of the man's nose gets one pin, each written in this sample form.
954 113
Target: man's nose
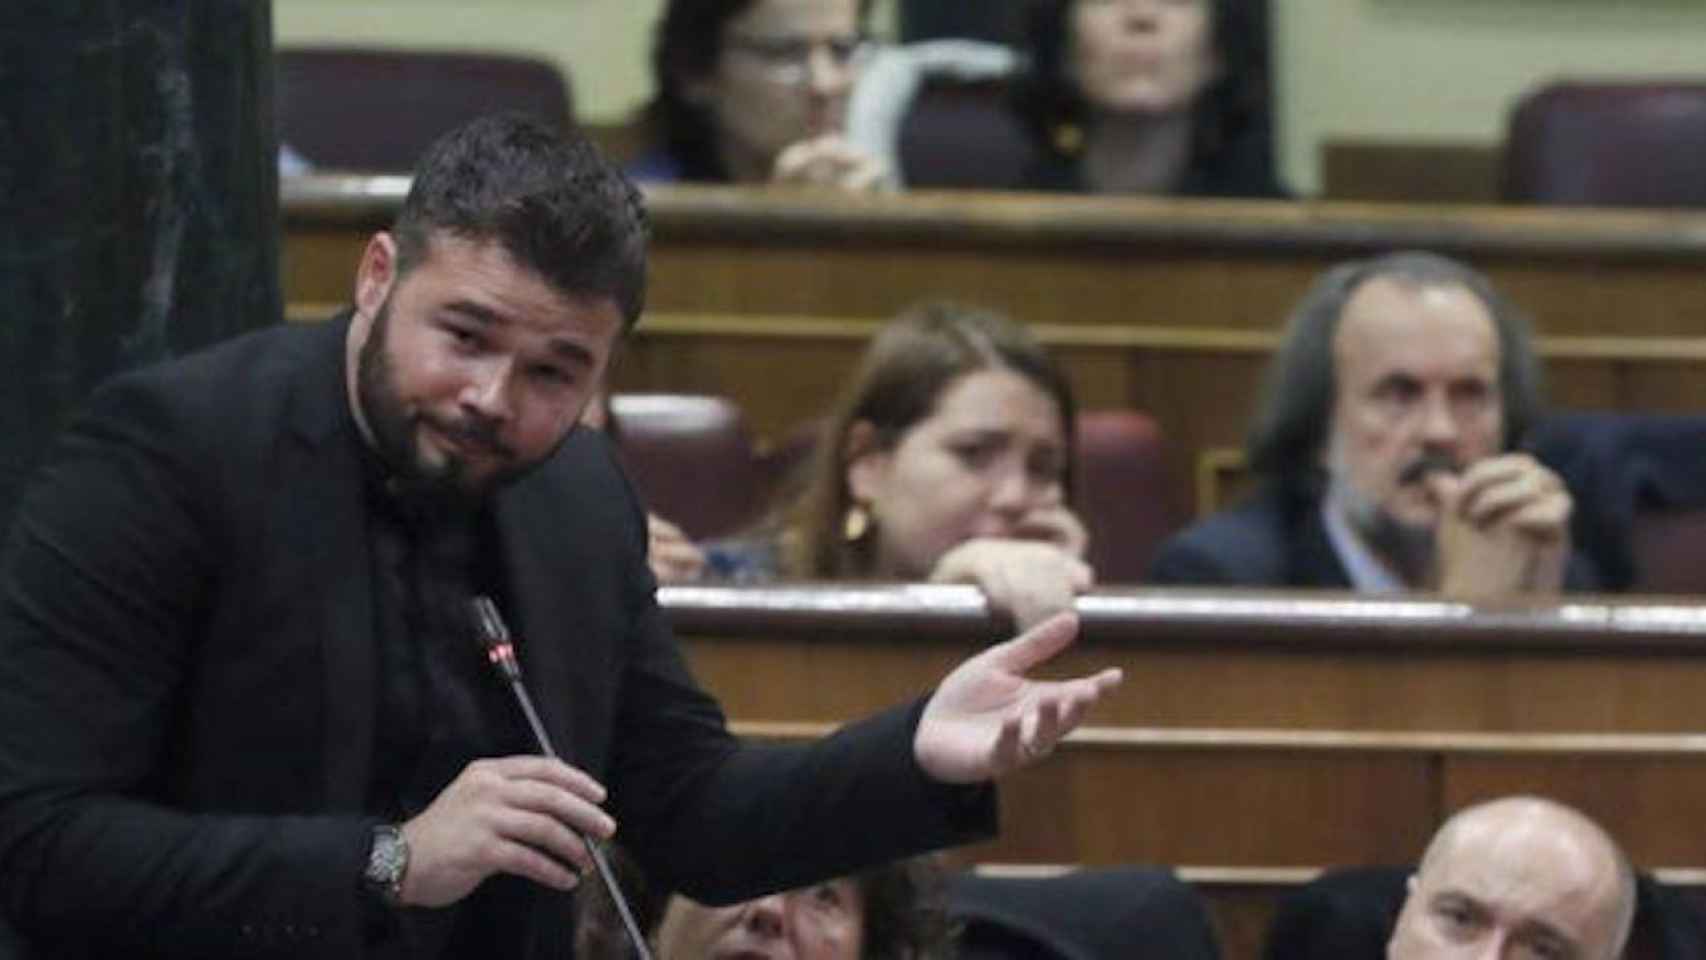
1439 426
1493 947
767 916
487 391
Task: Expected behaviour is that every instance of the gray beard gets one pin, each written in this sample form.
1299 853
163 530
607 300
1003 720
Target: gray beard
1407 549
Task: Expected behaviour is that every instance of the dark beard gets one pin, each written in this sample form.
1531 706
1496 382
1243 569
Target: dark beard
394 438
1410 550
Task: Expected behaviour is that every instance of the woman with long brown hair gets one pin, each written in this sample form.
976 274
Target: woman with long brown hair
947 458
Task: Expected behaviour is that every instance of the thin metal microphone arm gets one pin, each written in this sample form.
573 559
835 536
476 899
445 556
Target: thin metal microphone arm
495 640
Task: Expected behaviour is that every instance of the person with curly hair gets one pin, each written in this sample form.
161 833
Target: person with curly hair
896 911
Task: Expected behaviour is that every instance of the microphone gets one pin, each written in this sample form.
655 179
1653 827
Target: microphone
494 639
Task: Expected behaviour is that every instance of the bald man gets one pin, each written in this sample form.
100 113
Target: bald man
1516 878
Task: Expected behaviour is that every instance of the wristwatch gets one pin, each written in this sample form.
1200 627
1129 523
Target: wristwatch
387 861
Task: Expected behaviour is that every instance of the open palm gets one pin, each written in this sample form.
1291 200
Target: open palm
987 718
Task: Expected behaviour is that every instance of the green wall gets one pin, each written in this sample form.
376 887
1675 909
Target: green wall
1411 70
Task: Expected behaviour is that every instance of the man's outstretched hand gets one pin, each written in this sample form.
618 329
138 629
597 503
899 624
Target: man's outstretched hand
987 719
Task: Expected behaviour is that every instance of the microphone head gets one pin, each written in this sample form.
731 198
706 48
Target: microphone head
493 637
489 628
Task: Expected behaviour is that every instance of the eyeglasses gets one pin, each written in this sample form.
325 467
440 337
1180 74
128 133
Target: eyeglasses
787 60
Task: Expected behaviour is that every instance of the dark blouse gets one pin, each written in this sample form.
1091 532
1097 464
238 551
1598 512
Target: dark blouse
1244 169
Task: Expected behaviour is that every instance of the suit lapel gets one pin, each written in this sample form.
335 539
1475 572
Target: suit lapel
326 474
541 601
1315 561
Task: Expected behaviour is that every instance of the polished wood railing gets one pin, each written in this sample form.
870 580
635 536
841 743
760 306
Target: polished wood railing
1207 659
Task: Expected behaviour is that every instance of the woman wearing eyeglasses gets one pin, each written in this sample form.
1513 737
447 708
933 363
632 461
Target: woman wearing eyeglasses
755 91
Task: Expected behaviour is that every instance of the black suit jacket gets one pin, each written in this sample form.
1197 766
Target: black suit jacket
1349 913
188 689
1277 538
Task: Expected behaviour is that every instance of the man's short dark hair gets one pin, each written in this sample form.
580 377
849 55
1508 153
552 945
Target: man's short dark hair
1296 409
548 196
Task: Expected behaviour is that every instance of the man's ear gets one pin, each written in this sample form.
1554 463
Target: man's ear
866 460
376 275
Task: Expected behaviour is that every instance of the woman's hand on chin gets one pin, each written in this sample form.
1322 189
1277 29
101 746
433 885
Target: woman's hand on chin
1029 579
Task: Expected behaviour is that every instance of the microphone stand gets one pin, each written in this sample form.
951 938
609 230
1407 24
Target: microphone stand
494 639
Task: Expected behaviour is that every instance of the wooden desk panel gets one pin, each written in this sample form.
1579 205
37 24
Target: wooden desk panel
1275 799
1077 260
1214 686
1207 659
1650 802
1260 733
1266 806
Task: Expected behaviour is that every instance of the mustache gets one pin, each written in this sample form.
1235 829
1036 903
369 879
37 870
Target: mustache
473 432
1425 464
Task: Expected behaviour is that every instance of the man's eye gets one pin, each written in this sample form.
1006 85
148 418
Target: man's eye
1474 394
1398 391
1046 468
553 376
1456 917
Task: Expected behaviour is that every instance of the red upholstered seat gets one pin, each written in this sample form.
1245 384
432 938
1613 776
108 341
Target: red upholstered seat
354 108
1669 550
1609 144
1122 491
692 459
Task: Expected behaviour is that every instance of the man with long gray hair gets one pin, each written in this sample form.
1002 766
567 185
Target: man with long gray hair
1385 441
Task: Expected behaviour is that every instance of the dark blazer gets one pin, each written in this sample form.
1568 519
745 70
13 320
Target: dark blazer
1620 465
1088 914
1277 538
1349 913
1274 539
188 689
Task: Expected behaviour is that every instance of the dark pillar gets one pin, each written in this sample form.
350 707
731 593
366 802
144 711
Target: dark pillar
138 196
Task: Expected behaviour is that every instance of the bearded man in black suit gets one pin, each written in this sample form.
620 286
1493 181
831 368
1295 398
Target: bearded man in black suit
240 715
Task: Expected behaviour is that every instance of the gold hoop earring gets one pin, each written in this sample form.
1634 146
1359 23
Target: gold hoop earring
856 524
1069 139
